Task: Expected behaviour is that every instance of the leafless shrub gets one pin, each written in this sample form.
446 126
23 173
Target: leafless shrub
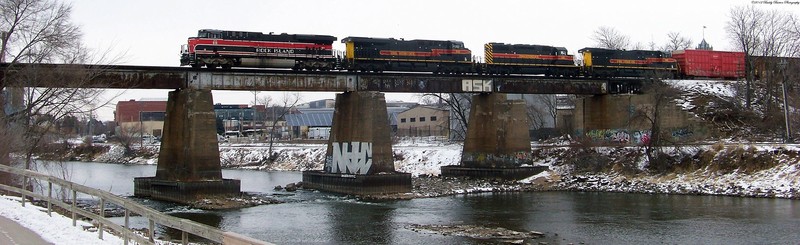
609 37
677 42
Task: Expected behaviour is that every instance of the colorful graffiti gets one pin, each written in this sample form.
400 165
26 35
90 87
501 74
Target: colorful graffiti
620 136
350 158
633 137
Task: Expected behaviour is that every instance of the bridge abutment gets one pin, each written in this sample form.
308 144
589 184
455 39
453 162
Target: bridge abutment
497 143
188 162
359 157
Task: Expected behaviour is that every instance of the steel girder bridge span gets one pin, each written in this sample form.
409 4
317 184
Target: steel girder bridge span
359 154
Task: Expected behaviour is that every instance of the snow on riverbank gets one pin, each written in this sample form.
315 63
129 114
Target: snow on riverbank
765 170
56 229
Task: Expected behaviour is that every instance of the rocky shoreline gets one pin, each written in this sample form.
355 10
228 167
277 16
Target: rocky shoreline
608 183
436 186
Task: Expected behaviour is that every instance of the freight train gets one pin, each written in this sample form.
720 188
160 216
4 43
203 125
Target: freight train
226 49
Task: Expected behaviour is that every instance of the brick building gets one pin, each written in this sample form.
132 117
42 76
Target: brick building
145 115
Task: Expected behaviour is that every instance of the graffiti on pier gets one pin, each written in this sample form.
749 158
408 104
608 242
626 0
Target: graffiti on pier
350 158
682 133
620 136
634 137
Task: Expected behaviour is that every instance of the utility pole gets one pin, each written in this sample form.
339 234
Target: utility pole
3 35
783 64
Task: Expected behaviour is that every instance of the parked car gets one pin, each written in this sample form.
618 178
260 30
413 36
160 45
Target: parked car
149 139
221 138
99 138
229 134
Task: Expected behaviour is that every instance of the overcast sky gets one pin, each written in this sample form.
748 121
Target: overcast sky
150 32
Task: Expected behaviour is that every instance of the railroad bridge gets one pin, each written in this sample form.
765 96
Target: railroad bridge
359 154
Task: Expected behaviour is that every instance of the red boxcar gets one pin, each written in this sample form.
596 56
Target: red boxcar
709 63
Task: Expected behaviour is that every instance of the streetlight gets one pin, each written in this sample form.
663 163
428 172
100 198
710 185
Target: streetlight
782 65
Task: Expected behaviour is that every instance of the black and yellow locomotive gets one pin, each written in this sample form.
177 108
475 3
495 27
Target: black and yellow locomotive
600 62
504 58
389 54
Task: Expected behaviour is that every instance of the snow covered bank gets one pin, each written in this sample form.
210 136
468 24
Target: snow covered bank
758 170
56 229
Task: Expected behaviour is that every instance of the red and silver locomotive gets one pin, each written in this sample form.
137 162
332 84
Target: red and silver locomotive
218 48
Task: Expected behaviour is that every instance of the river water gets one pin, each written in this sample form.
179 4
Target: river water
310 217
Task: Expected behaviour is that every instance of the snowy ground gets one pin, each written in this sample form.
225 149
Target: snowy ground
56 229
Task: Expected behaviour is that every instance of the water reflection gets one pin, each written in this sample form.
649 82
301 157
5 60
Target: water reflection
361 222
506 210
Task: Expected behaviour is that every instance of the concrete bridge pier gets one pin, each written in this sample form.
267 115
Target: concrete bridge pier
498 143
359 158
188 163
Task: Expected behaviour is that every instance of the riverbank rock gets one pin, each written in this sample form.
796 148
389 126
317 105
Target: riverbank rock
478 232
220 203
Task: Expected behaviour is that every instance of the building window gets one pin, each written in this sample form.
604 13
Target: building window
413 119
402 120
421 119
433 118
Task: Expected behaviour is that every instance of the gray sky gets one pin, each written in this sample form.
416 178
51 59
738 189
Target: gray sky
150 32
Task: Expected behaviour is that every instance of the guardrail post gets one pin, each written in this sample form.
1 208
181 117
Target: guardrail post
127 228
184 238
102 216
152 231
24 185
74 202
49 198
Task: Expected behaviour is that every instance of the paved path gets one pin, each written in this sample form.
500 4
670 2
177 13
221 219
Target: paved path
12 233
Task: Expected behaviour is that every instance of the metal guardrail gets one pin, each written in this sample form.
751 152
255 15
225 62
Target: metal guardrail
185 226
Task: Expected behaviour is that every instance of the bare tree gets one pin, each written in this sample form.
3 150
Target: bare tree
675 41
652 45
637 46
459 105
794 31
286 105
763 35
35 32
128 136
650 116
535 116
744 28
609 37
551 107
266 101
776 34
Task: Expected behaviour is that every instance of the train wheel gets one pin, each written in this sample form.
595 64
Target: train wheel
196 66
211 66
226 66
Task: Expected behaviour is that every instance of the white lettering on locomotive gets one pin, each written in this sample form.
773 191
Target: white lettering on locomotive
274 51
